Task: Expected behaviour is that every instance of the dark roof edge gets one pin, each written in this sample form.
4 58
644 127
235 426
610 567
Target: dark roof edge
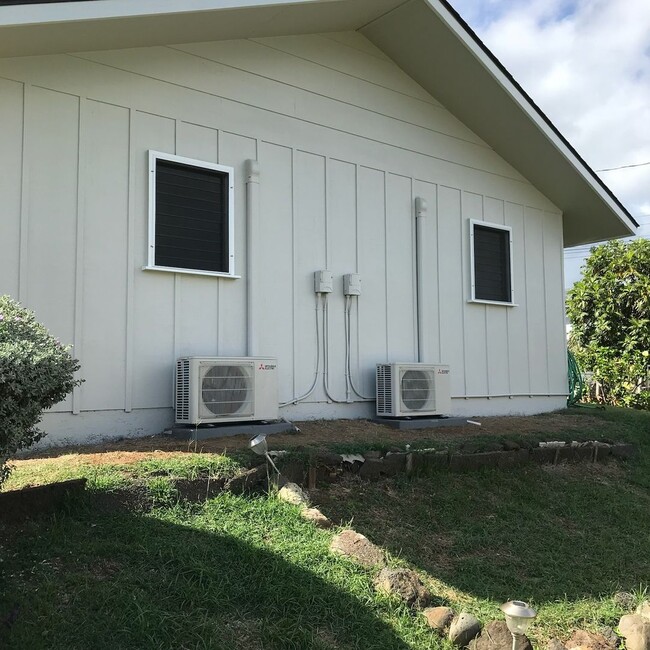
461 21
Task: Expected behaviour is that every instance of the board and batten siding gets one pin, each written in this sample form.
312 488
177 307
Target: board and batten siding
345 143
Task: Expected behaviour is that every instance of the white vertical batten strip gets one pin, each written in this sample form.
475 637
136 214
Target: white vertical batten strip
217 285
414 287
464 262
23 264
528 339
77 332
357 250
421 209
178 290
512 294
386 320
438 272
130 275
545 280
293 268
252 171
485 312
564 297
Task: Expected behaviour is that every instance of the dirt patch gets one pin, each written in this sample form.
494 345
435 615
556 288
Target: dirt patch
324 433
86 455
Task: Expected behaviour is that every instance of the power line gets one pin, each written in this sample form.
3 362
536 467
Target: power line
613 169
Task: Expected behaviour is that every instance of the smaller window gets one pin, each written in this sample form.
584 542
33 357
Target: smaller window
190 216
491 257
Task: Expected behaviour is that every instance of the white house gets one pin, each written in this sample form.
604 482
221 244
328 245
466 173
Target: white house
324 127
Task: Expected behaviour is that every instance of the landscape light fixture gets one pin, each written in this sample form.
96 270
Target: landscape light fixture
518 617
259 445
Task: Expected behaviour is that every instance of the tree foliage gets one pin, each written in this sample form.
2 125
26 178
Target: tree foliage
36 372
609 309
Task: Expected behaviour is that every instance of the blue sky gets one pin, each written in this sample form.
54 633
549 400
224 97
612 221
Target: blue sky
587 65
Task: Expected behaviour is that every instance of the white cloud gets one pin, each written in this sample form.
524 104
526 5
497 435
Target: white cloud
586 63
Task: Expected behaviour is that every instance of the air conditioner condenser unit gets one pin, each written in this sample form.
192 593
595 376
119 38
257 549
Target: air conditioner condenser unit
210 390
412 389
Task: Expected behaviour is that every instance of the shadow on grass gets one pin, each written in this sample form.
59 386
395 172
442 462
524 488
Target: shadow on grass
541 534
123 580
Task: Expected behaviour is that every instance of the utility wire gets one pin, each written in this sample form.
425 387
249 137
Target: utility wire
613 169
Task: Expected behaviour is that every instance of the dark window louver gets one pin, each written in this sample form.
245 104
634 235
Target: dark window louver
492 278
191 217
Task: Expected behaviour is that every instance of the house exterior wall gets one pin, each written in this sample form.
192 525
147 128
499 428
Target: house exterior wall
345 142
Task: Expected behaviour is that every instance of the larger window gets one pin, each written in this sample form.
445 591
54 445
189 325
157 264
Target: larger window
190 216
491 257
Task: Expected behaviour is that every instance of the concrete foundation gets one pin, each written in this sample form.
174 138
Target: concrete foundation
208 431
420 423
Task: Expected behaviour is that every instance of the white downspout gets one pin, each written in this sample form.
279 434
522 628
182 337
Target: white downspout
420 214
252 229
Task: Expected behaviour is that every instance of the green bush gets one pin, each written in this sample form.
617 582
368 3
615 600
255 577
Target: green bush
36 372
609 309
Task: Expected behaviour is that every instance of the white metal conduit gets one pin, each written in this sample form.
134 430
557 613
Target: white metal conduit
420 214
252 228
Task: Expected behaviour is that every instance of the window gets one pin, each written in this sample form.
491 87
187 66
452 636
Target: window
190 216
491 258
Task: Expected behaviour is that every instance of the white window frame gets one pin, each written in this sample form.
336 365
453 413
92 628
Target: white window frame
154 156
483 301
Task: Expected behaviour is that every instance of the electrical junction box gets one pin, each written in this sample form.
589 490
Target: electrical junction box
323 282
352 284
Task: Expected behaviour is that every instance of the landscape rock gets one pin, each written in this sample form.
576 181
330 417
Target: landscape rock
464 628
611 636
316 517
583 640
513 458
635 629
428 461
624 599
644 609
583 453
463 462
372 470
511 445
555 644
624 451
251 480
602 451
292 493
496 636
357 547
395 463
372 455
439 618
403 583
542 455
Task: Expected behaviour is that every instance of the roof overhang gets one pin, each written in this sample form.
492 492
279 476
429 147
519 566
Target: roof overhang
426 38
57 27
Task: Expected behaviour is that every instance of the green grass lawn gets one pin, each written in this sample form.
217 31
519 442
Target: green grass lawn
248 572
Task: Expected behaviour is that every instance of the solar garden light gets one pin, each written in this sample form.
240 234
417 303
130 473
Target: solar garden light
518 617
261 448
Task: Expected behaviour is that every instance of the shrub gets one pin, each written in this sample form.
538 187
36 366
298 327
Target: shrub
609 309
36 372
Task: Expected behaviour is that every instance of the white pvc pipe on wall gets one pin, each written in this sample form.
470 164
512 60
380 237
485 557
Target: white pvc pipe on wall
420 214
252 228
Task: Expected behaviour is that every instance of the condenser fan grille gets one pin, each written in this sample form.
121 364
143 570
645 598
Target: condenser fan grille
417 390
228 390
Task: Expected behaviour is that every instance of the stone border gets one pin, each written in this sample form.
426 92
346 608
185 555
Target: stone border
374 465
